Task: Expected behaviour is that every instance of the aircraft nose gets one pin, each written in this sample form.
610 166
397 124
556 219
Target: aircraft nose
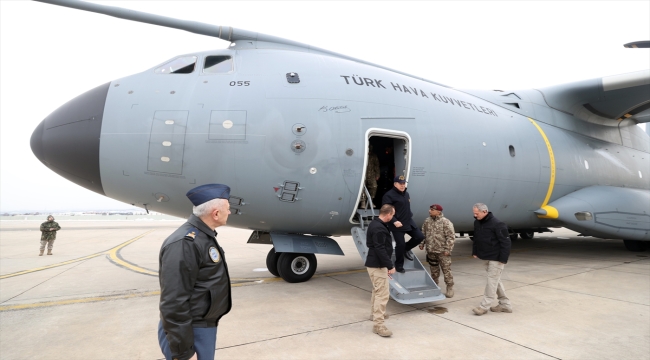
67 141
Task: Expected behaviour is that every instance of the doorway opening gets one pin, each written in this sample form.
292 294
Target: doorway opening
387 156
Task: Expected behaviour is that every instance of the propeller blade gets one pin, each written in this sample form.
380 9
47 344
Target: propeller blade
638 44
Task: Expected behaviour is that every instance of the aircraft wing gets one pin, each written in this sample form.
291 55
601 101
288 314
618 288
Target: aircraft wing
606 101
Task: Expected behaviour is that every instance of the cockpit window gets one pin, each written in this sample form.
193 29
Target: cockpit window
217 64
181 65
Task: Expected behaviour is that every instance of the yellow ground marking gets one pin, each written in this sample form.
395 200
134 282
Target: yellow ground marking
551 212
75 260
76 301
112 254
245 282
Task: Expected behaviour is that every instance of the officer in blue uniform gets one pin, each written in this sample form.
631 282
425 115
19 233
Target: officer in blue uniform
194 280
402 223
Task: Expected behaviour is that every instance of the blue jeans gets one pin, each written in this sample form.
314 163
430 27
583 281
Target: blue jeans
205 342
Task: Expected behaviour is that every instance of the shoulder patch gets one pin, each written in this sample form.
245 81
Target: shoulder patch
192 233
214 254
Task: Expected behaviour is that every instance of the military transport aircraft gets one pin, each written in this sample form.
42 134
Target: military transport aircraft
288 126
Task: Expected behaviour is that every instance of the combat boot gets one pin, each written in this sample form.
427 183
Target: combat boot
49 252
450 291
41 253
479 311
381 330
500 308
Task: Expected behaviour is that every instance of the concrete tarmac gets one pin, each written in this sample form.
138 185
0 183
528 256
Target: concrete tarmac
97 298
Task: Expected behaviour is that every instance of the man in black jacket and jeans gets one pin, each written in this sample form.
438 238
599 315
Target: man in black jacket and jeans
491 243
194 280
379 265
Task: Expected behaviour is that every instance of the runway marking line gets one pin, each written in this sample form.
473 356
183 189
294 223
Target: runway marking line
110 251
114 256
245 282
75 301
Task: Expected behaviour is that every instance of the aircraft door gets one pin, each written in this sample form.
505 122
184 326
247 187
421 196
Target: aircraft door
387 155
401 153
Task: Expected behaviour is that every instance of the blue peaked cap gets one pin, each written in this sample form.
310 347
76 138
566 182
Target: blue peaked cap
204 193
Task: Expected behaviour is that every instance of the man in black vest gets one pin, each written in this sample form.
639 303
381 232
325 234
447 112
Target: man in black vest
379 265
403 222
194 280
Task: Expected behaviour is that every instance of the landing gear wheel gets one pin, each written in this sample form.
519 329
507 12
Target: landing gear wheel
272 262
513 236
635 245
527 235
296 267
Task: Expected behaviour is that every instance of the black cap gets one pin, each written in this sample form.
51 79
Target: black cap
400 179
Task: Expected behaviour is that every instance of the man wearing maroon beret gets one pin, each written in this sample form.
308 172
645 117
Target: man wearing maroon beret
439 240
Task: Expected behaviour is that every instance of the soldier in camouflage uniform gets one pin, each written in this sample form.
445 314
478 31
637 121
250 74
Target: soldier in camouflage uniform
48 229
439 239
372 175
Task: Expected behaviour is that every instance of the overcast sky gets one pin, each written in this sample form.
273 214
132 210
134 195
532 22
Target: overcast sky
51 54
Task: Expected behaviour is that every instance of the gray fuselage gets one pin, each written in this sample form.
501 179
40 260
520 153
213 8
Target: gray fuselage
254 130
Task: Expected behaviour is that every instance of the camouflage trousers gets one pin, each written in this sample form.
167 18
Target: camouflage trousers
439 261
372 189
49 243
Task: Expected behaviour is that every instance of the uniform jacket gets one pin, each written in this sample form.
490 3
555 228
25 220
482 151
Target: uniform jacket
194 284
380 245
46 233
491 240
402 203
439 234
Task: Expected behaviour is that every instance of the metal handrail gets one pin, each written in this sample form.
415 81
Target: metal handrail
368 201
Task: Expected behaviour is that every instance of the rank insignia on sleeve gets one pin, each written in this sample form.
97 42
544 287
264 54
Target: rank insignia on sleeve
214 254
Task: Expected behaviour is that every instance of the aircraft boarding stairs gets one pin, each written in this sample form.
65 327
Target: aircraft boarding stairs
415 285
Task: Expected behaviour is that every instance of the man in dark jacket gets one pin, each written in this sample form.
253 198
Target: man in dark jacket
403 222
194 280
491 243
379 265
